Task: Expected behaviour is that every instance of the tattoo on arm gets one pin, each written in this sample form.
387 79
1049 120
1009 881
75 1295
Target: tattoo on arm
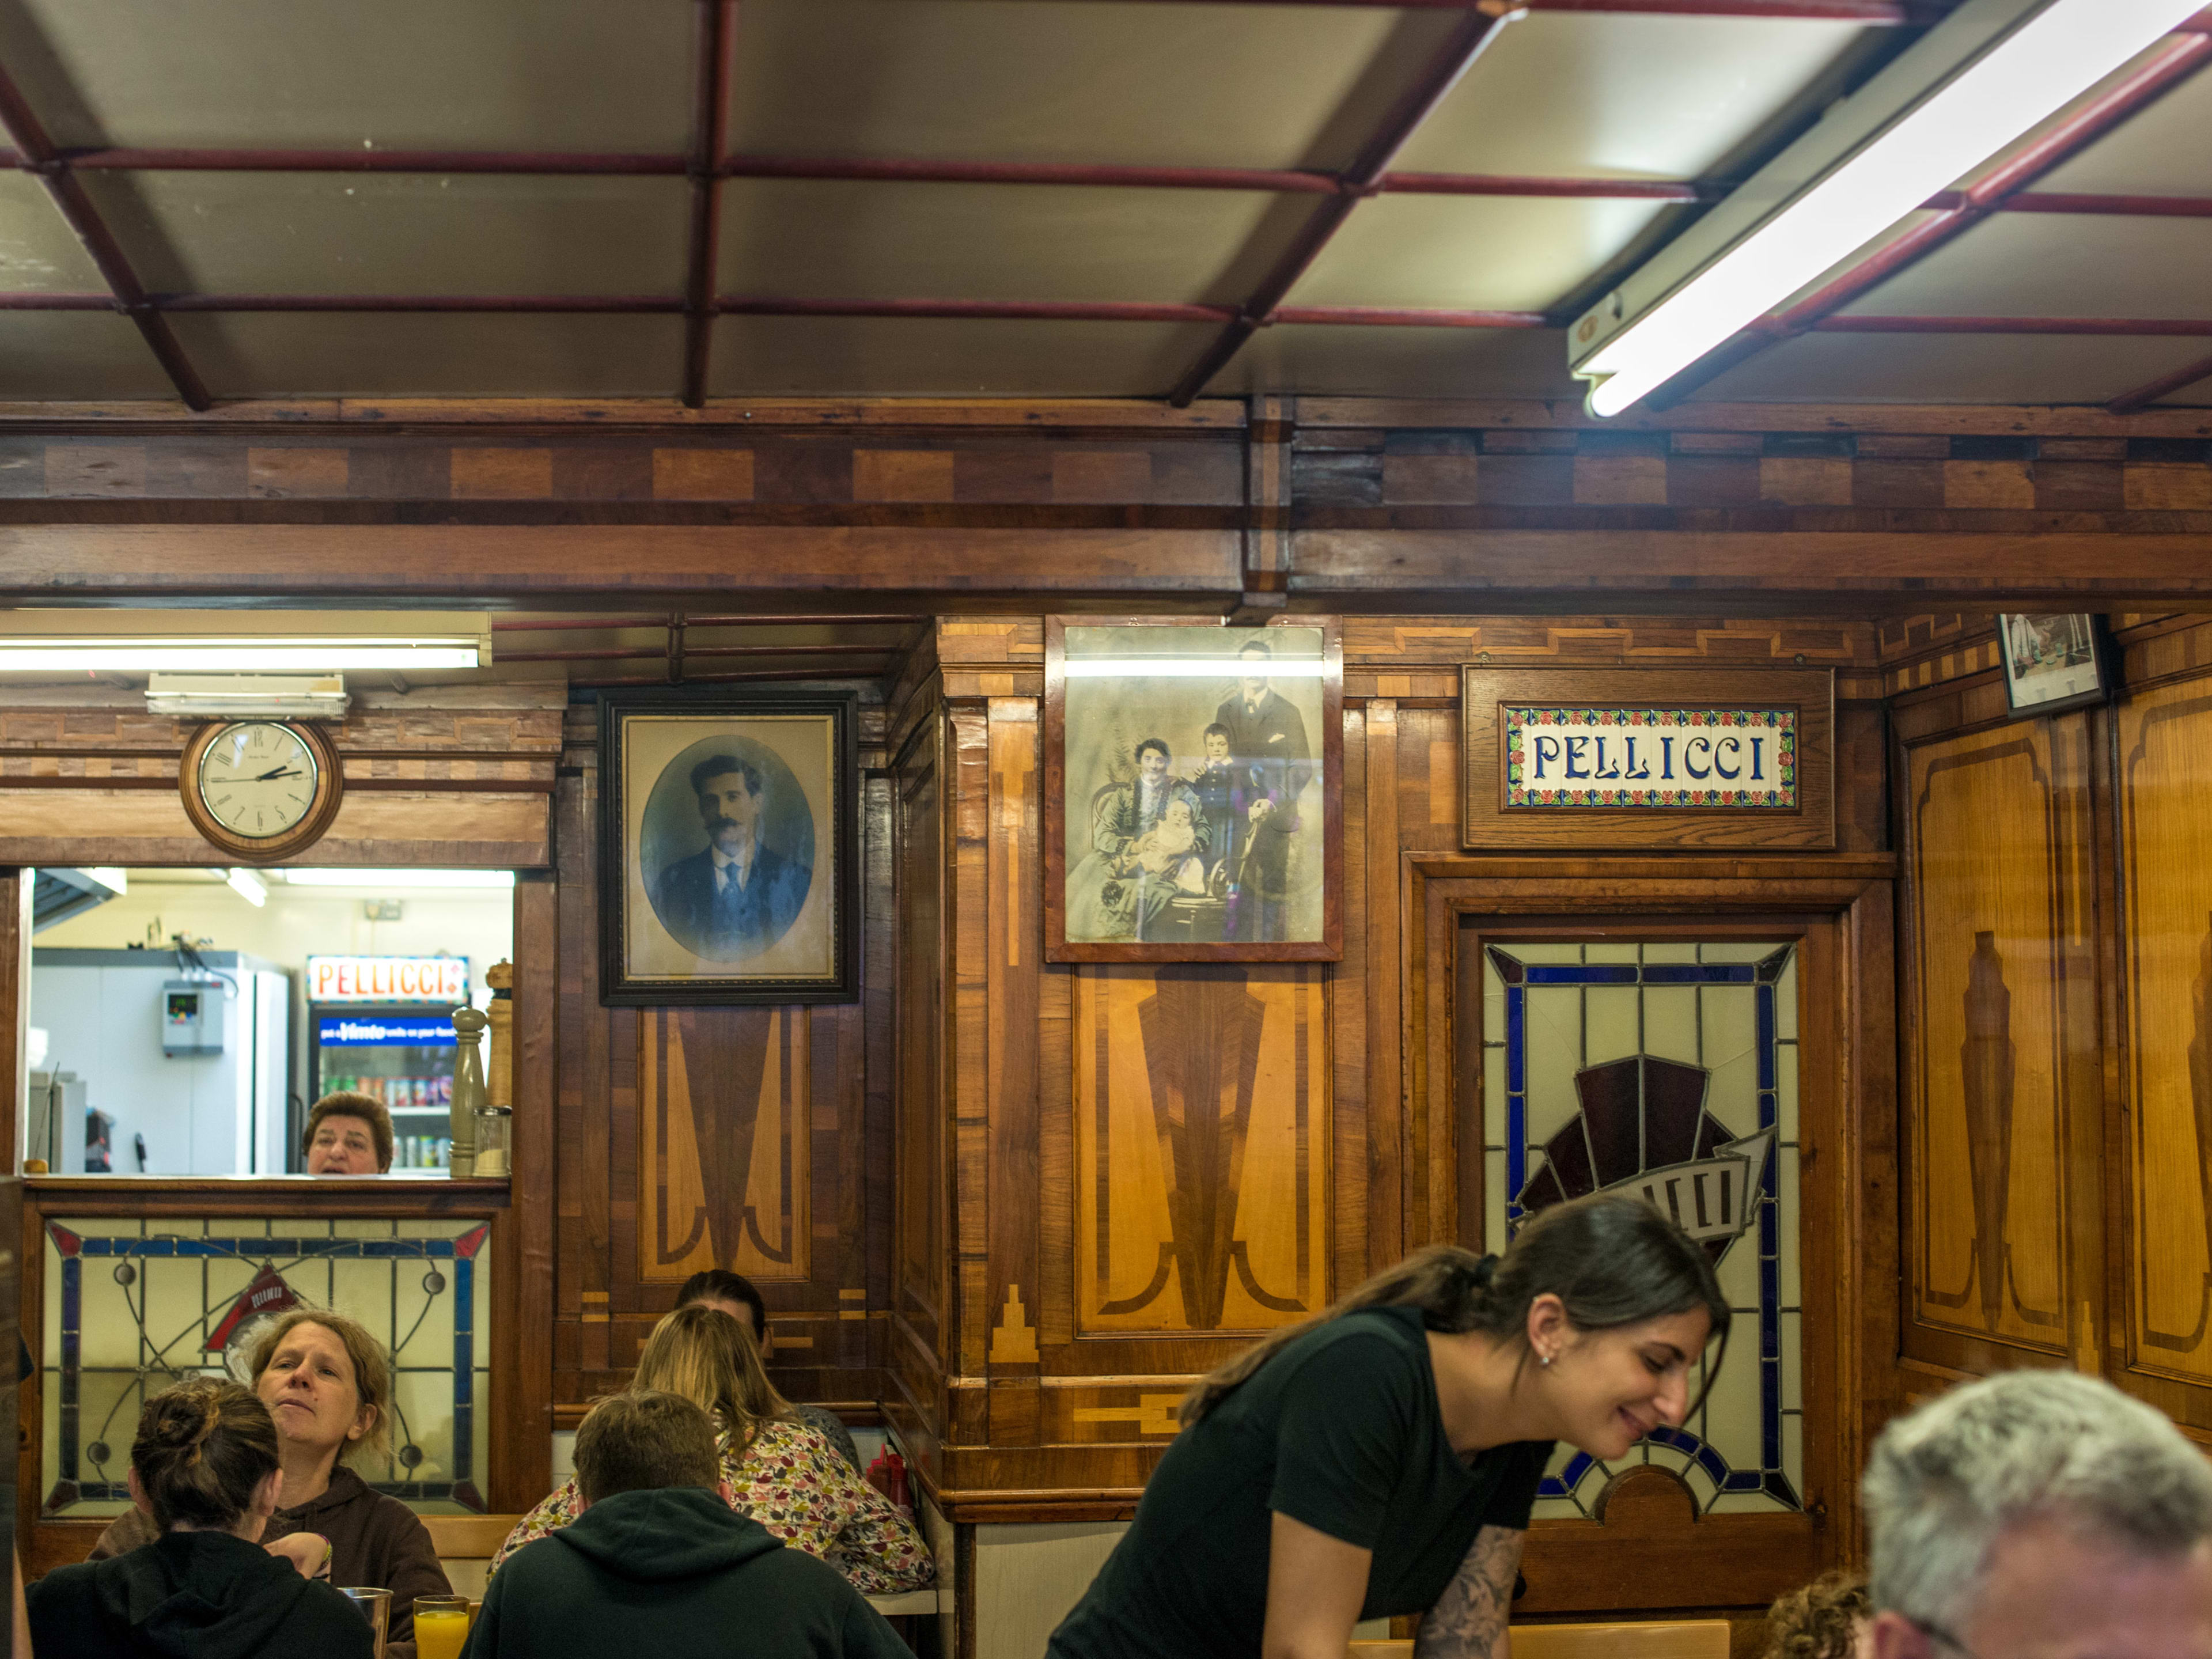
1469 1620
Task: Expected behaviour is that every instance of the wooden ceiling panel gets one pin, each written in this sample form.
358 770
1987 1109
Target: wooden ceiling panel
1950 368
302 233
524 356
39 253
852 241
1569 95
948 357
401 73
2039 264
1410 362
1083 81
1486 253
76 354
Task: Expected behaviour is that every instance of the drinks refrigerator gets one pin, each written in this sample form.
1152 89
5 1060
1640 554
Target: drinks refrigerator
401 1054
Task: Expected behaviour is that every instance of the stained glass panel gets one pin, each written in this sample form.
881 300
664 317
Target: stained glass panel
1669 1071
131 1305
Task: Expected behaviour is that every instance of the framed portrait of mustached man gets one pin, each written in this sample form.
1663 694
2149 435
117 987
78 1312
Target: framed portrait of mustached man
1193 780
727 830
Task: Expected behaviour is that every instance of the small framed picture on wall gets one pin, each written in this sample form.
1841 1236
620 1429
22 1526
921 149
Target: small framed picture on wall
727 829
1192 790
2053 661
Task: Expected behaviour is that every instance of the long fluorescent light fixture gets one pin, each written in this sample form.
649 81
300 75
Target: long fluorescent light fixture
310 697
248 886
231 641
324 876
1972 86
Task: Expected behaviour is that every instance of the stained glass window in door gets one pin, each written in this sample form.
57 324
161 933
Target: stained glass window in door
1667 1070
133 1305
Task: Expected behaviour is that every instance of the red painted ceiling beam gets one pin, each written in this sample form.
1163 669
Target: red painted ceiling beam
2164 387
28 134
1465 43
710 106
1088 311
2183 56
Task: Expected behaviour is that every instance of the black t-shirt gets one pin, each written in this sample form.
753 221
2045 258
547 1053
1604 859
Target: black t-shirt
1341 1430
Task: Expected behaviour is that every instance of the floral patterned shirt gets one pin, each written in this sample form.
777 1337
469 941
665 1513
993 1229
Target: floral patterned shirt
792 1481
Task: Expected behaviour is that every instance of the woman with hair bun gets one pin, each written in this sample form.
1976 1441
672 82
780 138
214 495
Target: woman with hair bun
1381 1459
206 1464
326 1381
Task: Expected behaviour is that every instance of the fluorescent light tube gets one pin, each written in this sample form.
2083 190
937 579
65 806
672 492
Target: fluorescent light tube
312 697
2034 68
1191 668
248 886
242 654
386 880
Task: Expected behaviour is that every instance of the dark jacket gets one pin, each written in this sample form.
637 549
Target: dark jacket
193 1596
375 1539
737 923
673 1574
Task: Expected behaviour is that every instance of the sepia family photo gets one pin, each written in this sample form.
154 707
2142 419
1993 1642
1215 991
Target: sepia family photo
1194 809
726 849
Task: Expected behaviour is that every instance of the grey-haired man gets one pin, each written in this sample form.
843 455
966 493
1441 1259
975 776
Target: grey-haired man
2037 1515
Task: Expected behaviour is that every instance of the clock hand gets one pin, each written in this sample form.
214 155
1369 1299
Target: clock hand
275 772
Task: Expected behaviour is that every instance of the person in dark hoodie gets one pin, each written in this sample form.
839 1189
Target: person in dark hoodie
659 1563
327 1384
206 1463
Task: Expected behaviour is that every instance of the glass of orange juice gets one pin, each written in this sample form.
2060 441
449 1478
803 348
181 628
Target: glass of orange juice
441 1626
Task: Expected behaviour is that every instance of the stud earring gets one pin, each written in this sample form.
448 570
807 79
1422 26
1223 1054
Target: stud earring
1543 1359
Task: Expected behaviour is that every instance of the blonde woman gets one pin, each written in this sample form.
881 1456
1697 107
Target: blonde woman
781 1472
327 1385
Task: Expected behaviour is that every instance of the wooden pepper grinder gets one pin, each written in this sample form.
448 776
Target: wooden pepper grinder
499 1072
468 1088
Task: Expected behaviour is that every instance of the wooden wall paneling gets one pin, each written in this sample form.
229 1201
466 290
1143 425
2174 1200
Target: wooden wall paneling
1870 1288
522 1375
14 999
873 1237
968 1319
1428 822
585 1213
1350 1041
1201 1150
914 1358
1015 963
2164 752
2002 1056
1386 1239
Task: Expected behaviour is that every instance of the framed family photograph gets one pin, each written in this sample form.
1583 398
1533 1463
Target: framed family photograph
1193 777
727 830
2052 661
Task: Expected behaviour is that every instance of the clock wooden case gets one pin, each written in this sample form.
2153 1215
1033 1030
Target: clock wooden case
279 818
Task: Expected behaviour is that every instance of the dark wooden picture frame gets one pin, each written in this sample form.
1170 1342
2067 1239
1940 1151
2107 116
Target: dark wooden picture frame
329 793
642 911
1325 751
2017 631
1491 823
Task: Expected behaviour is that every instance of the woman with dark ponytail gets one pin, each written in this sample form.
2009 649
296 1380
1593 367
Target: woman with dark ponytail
1382 1458
206 1464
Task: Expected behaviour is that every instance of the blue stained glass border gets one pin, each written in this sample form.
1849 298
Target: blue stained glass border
1762 977
461 1251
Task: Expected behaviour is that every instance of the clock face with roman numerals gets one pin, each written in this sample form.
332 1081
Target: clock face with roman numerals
257 778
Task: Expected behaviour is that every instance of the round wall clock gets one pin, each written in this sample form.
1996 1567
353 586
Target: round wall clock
260 790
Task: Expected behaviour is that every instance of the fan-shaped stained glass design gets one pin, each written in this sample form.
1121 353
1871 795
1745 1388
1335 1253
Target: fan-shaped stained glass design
1669 1071
133 1304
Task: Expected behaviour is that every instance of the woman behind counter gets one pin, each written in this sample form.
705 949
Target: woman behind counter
1381 1459
327 1385
206 1463
781 1472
